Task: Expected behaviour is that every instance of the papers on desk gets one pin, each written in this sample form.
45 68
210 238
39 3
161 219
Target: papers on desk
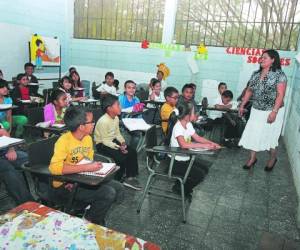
127 110
33 84
48 123
26 101
43 124
5 106
9 141
104 171
58 125
89 100
199 149
133 124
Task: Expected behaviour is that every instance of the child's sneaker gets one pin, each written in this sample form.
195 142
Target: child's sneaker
133 183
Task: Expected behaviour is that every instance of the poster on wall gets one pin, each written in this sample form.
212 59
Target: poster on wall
44 51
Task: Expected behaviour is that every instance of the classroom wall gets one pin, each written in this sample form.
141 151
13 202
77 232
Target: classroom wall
48 18
220 66
292 132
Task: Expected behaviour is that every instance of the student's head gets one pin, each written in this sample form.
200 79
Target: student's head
116 84
29 67
187 92
160 75
75 76
152 80
109 78
110 105
185 111
59 98
171 95
194 86
66 83
22 79
78 119
156 86
227 97
130 88
3 88
71 69
1 74
222 87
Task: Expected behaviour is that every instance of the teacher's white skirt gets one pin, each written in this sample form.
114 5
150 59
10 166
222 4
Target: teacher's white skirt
259 135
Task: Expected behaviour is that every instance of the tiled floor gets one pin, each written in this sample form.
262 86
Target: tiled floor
231 209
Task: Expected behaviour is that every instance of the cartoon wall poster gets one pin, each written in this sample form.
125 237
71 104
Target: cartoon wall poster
44 51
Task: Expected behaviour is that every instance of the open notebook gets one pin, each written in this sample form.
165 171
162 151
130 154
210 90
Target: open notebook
104 171
9 141
136 124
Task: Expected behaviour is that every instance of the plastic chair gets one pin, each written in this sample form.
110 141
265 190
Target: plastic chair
142 91
86 85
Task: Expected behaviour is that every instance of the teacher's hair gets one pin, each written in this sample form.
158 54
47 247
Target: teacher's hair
274 55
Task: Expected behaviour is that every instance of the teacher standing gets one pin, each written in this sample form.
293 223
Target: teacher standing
266 89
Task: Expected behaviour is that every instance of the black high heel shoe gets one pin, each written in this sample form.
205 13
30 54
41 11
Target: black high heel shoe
269 169
249 167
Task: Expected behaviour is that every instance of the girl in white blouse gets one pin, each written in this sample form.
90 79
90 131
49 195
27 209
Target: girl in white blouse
184 136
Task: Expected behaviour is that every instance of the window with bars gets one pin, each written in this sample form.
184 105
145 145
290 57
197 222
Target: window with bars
238 23
121 20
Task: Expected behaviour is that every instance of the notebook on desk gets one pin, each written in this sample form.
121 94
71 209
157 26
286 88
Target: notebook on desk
133 124
9 141
199 149
127 110
104 171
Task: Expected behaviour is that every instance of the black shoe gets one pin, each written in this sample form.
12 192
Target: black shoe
269 169
249 167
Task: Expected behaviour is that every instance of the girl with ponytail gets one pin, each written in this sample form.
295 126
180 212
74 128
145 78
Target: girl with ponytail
184 136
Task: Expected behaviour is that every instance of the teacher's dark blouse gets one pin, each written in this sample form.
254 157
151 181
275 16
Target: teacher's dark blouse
264 91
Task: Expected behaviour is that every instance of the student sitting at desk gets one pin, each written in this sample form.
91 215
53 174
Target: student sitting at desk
69 150
6 118
187 96
55 110
128 98
231 122
156 93
181 135
29 69
65 85
10 166
108 85
171 94
77 84
20 93
110 142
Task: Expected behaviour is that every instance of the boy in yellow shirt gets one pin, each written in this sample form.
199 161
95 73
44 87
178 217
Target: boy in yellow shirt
171 95
69 150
